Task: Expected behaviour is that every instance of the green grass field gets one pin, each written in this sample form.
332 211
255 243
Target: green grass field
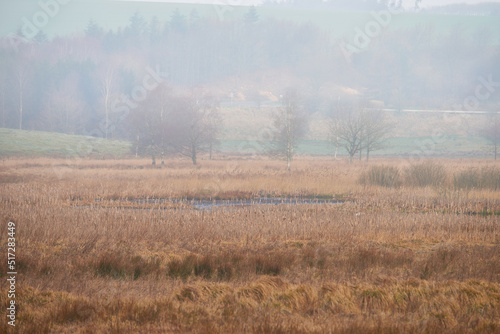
16 143
451 146
47 144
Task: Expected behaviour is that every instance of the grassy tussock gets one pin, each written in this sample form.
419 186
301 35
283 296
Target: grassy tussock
325 260
474 178
114 264
419 259
425 174
404 306
384 176
432 174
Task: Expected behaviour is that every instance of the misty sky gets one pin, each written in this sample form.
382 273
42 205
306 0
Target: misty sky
426 61
425 3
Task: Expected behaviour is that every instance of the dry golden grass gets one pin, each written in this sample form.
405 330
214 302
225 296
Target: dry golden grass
389 260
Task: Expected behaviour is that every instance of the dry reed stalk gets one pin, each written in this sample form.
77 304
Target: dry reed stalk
392 260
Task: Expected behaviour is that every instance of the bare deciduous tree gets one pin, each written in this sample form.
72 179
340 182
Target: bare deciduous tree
63 108
143 122
149 123
3 95
290 125
356 128
161 98
347 129
107 80
197 124
213 129
21 72
491 132
185 124
375 130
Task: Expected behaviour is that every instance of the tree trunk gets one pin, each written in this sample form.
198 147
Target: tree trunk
3 107
193 154
336 148
154 153
20 108
497 135
288 163
106 116
367 154
351 156
137 147
162 137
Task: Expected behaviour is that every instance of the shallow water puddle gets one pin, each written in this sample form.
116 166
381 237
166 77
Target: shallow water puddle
216 203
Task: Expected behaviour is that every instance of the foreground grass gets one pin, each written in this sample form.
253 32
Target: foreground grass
393 260
273 305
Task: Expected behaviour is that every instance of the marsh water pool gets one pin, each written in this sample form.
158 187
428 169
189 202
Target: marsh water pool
208 204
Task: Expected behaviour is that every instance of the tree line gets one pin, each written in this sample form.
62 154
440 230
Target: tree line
354 126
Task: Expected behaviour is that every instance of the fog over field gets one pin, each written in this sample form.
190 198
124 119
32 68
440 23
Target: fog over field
299 166
129 70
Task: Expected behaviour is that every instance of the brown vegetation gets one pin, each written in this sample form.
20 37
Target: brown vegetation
392 259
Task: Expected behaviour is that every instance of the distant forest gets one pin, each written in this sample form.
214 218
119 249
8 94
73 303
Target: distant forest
67 84
486 8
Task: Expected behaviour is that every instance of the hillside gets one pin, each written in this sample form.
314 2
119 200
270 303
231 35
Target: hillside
38 143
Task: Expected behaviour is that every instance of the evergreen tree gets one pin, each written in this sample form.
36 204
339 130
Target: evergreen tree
251 15
154 31
178 22
137 27
40 37
93 30
194 18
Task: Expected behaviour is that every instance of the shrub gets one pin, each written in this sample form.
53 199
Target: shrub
72 310
204 267
272 264
425 174
490 178
467 179
225 271
485 178
385 176
182 268
265 265
111 264
116 265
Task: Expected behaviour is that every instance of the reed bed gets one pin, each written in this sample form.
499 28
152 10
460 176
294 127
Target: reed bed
412 258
